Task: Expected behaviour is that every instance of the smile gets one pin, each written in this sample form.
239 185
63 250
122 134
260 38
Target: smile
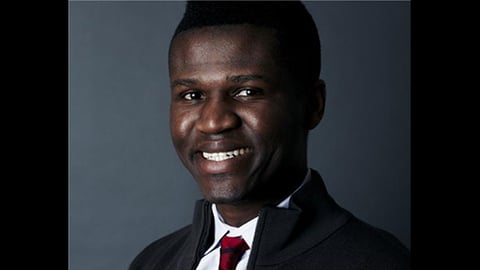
220 156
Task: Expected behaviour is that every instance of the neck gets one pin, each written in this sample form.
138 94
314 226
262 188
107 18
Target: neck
237 215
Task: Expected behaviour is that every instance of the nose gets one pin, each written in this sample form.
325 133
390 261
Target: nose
217 116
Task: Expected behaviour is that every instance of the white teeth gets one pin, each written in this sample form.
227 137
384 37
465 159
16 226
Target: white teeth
224 155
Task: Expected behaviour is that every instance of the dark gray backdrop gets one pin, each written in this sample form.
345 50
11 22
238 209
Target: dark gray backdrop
126 185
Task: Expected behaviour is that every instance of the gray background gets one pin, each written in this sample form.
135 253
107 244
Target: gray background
126 184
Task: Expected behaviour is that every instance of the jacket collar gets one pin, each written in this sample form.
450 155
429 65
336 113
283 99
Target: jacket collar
285 233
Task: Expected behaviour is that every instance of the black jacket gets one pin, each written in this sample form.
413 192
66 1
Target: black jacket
314 233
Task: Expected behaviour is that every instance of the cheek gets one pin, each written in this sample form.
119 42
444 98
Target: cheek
181 124
271 122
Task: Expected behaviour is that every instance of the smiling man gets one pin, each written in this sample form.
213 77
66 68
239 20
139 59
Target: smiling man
245 93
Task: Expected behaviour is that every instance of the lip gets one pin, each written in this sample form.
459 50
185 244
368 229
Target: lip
219 146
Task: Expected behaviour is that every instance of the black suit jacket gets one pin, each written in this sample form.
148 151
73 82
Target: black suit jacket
314 233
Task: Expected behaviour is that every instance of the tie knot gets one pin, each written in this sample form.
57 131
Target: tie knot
236 243
231 251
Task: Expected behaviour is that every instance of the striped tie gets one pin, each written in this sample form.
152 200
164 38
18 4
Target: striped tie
231 250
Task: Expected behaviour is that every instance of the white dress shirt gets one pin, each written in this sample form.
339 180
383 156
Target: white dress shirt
211 258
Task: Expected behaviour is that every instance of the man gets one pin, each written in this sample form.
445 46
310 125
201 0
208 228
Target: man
245 93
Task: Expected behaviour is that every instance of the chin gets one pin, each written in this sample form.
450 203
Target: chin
223 196
222 189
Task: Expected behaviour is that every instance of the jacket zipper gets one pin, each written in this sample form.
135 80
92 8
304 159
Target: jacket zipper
204 232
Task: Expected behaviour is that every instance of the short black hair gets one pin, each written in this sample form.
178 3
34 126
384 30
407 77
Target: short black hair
295 28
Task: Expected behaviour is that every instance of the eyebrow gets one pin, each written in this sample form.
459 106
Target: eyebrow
233 78
184 82
244 78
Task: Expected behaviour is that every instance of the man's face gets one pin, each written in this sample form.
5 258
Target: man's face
236 122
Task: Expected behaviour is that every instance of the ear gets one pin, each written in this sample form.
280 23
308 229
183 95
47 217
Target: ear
315 104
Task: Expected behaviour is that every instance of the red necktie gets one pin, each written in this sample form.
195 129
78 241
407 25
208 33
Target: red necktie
231 250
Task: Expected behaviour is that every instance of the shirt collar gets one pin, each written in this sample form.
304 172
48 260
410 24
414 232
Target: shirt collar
286 203
247 230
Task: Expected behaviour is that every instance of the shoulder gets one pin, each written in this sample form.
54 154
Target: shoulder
163 250
373 247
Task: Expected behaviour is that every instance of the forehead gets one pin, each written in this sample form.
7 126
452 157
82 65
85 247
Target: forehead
238 45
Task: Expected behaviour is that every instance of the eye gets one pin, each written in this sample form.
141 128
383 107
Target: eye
192 95
246 92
